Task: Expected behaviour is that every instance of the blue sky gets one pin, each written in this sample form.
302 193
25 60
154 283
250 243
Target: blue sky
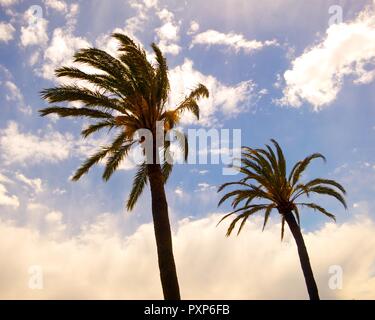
276 69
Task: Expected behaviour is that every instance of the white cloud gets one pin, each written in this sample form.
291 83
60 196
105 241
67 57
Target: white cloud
34 184
57 5
34 58
179 192
168 33
71 17
254 265
317 76
194 27
60 51
8 3
236 42
151 3
14 94
204 186
62 45
227 100
47 146
26 148
35 31
53 216
6 199
6 31
4 179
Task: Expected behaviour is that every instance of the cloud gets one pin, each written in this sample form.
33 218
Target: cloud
317 76
8 3
61 47
179 192
57 5
35 184
194 27
60 51
5 198
228 101
151 3
26 148
48 146
14 94
204 186
168 33
100 263
133 25
35 33
71 17
235 42
6 31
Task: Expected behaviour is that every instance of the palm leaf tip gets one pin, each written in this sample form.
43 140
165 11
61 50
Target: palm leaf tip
139 182
201 91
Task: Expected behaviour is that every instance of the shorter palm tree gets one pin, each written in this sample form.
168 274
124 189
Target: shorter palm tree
265 179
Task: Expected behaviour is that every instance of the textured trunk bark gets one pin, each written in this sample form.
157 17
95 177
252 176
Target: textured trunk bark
303 256
167 267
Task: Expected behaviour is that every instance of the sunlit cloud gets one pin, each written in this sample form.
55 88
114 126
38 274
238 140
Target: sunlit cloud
317 76
101 263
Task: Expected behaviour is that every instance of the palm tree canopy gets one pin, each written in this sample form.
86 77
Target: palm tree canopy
265 180
128 93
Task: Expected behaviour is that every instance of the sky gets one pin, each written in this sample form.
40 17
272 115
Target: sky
301 72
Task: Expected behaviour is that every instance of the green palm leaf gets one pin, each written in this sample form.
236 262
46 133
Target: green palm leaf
139 182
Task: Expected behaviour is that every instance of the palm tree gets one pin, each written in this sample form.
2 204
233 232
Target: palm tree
265 180
129 93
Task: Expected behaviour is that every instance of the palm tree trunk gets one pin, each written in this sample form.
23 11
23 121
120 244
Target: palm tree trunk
167 267
303 256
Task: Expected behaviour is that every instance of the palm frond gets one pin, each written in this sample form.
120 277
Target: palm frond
114 160
318 208
162 87
92 128
296 213
267 215
103 61
75 112
245 215
282 227
200 91
88 97
166 170
320 181
189 104
280 158
139 182
236 183
104 82
301 166
330 192
94 159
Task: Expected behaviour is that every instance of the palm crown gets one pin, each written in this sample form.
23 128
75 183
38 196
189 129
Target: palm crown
130 93
265 178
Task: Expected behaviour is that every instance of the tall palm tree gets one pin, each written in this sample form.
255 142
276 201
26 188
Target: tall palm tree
266 186
129 93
